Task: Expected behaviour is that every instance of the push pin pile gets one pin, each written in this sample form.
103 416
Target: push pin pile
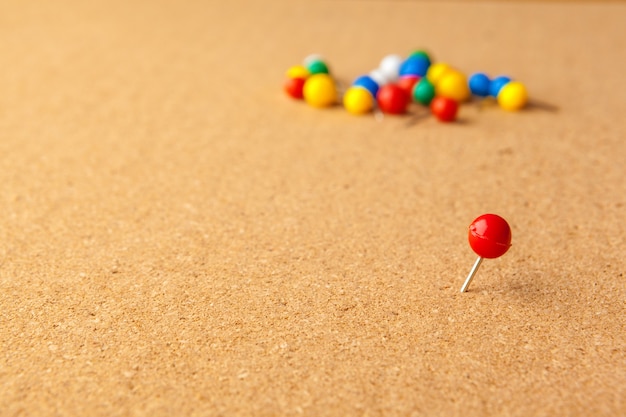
398 82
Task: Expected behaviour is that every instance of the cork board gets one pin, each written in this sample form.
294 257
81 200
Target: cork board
180 238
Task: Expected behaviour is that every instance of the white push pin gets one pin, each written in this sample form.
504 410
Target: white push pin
390 67
379 77
309 59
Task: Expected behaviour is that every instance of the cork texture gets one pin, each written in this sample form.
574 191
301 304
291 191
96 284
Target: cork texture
179 238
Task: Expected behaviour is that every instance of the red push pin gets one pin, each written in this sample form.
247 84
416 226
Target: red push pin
490 237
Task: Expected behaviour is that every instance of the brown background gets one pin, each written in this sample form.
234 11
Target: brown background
179 238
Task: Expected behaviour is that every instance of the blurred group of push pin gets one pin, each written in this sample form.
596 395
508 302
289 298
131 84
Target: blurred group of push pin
399 82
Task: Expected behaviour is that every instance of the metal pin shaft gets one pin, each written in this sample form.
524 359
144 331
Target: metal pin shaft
378 114
471 274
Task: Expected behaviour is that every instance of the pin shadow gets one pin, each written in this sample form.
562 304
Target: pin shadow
535 104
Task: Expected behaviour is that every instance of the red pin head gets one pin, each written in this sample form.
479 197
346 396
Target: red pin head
294 87
407 82
392 99
490 237
444 108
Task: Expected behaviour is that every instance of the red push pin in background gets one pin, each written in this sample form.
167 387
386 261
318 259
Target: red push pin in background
490 237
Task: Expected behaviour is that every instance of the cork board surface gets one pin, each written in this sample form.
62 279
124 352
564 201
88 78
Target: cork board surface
180 238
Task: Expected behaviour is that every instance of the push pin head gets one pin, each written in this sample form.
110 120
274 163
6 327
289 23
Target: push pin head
513 96
497 83
479 84
320 90
490 237
392 99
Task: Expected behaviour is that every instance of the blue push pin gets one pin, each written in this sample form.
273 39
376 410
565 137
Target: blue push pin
497 84
479 84
368 83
